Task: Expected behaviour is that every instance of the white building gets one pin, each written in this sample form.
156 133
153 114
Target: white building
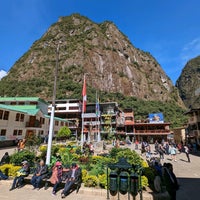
69 109
23 116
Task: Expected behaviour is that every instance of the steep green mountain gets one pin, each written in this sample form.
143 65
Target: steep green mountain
112 63
113 67
188 83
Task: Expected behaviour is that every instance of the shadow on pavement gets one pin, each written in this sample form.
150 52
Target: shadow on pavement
189 189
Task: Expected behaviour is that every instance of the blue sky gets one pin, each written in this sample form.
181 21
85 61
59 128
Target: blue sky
169 30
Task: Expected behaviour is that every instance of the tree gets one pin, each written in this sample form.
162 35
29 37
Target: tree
64 132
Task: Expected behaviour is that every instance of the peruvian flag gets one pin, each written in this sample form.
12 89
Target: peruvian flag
84 96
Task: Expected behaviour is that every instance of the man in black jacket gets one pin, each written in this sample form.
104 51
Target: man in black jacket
41 172
72 176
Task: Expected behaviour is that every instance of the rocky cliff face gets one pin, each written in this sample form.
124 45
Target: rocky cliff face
188 83
111 62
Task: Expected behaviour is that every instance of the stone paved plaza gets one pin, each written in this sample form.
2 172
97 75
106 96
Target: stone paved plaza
188 175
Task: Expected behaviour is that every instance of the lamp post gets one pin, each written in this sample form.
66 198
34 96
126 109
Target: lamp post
51 125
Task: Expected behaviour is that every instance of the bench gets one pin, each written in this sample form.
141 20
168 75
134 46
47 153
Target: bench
46 182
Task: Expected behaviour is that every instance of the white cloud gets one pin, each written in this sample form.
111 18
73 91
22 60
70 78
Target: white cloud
2 74
190 50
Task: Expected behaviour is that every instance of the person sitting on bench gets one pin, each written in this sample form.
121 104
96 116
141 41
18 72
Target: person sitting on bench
41 172
19 179
71 178
56 177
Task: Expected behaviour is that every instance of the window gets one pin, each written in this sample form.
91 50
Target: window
3 132
1 114
61 108
62 123
33 103
21 103
74 108
17 117
15 132
6 115
41 133
19 132
56 123
42 120
21 117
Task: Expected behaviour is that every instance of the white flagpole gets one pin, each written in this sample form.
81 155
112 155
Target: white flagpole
82 115
98 122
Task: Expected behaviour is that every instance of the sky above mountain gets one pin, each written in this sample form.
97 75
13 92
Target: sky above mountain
169 30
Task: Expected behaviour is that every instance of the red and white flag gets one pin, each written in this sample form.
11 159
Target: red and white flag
84 96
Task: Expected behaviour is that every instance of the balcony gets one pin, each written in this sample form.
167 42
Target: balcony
129 122
35 124
152 132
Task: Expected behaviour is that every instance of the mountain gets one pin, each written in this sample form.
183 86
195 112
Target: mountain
102 51
188 83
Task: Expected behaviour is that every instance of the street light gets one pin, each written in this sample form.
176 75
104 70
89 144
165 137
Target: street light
51 125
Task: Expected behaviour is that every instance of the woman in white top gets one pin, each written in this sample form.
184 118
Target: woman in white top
173 152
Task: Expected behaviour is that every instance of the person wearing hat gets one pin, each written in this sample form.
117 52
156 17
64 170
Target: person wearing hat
19 179
72 176
56 177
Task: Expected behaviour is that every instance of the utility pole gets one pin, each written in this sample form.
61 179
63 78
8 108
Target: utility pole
51 125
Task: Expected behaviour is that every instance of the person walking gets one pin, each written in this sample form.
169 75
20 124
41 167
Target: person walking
173 152
187 152
161 151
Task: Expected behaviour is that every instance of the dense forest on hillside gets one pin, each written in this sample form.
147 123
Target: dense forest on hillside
68 89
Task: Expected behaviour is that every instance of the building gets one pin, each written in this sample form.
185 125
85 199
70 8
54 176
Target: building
179 134
99 124
153 128
125 123
22 116
69 109
110 121
193 128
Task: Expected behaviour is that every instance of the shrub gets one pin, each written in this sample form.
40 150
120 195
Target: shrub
9 169
103 181
84 174
150 173
17 158
131 156
144 181
91 181
97 169
43 150
144 164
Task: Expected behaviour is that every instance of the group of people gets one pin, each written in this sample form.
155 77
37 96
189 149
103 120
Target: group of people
57 175
165 148
165 182
172 150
